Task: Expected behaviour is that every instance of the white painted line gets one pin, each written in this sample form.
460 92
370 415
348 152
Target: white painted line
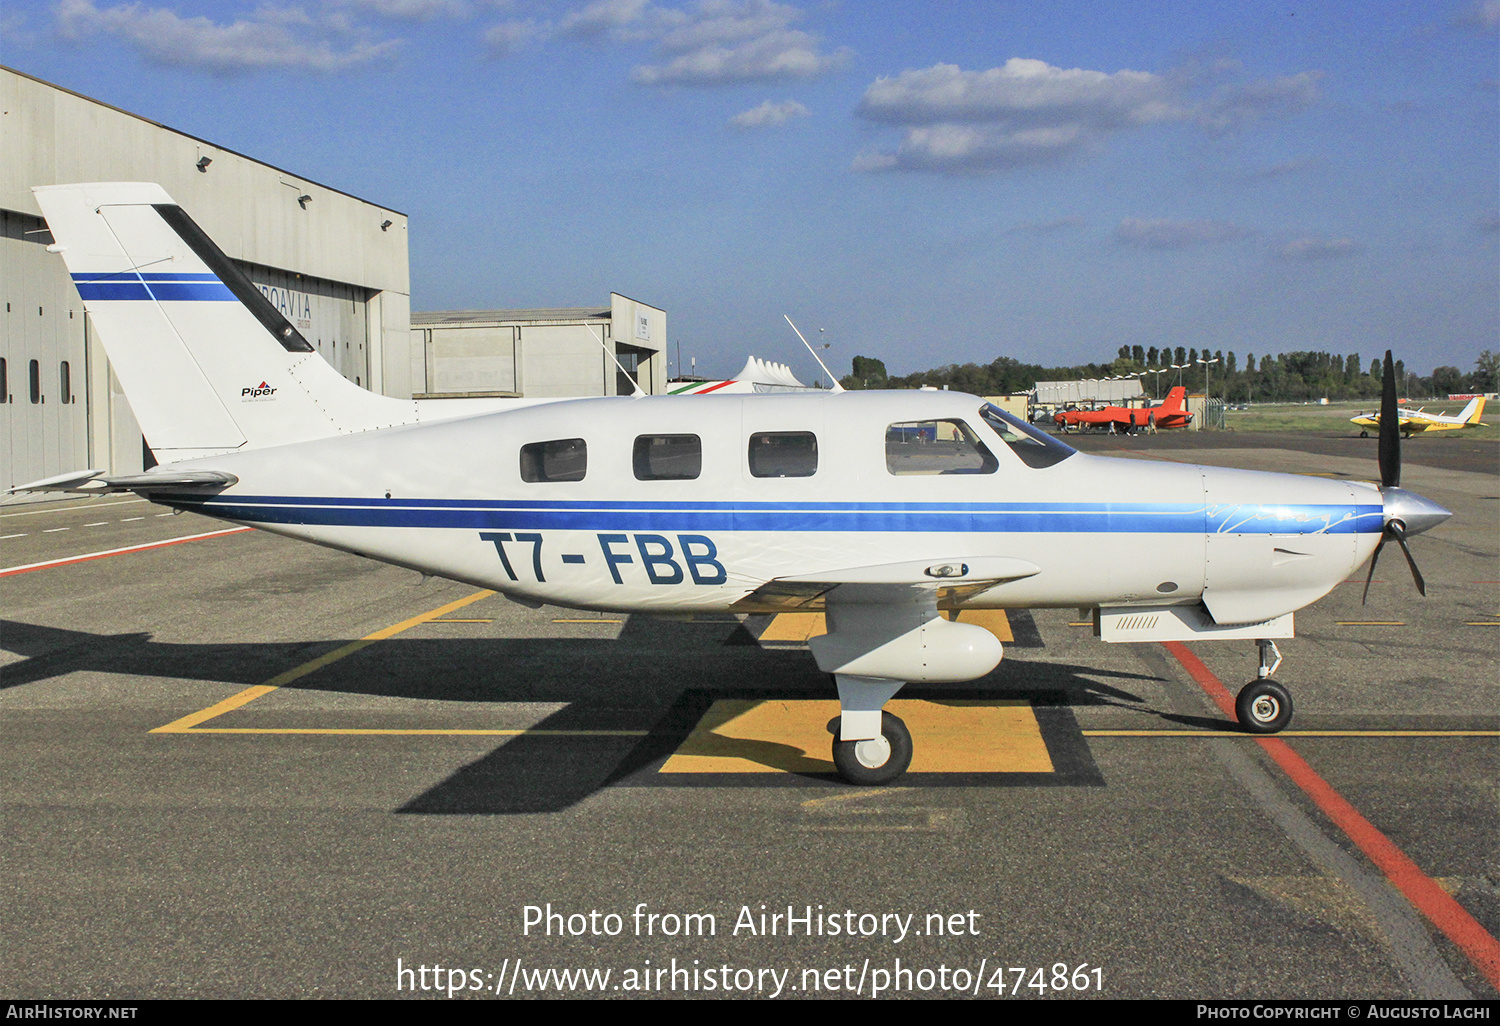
129 519
64 509
173 514
54 530
98 523
7 571
5 536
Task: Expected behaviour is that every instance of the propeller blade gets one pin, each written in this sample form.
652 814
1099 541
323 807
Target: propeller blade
1400 536
1374 558
1390 428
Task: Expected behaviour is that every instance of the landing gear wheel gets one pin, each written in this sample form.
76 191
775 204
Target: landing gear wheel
1263 707
1364 434
877 761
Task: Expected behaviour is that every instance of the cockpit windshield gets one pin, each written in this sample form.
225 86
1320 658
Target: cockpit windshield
1036 448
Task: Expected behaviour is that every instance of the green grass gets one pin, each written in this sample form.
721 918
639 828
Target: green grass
1333 419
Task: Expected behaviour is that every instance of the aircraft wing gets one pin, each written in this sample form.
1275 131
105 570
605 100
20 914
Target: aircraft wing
950 579
89 482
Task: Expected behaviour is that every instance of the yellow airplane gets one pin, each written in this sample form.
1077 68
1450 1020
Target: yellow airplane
1412 421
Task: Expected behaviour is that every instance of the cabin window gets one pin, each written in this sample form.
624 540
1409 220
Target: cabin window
4 380
65 381
1035 447
783 454
565 459
35 373
936 447
668 457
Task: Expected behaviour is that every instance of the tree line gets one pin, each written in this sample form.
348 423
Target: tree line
1284 377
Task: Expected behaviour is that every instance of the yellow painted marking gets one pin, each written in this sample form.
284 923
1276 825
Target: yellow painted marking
780 736
462 731
801 626
795 627
1370 623
250 694
1080 623
191 720
1482 623
588 620
1290 733
457 620
993 620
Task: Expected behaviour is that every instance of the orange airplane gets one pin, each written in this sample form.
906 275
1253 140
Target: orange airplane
1120 419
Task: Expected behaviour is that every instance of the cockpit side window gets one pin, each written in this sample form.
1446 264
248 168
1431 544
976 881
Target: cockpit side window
936 447
1036 448
563 459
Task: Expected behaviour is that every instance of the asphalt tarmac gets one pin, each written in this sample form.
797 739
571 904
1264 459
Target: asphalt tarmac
365 775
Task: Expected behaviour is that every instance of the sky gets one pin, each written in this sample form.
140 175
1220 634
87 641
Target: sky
928 183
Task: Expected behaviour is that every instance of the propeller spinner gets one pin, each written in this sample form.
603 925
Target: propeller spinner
1406 513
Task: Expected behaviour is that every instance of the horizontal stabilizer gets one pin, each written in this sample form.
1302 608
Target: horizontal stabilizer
95 482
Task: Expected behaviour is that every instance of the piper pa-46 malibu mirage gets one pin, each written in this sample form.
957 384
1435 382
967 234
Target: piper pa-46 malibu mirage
885 509
1120 419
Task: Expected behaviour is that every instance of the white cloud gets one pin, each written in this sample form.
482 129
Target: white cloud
272 37
1022 93
716 42
1169 234
1317 249
1483 15
769 115
603 17
1235 107
1030 112
415 10
509 36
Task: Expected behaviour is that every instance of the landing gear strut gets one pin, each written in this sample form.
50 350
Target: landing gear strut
1264 706
876 761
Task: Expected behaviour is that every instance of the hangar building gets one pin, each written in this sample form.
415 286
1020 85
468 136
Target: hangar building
539 353
335 265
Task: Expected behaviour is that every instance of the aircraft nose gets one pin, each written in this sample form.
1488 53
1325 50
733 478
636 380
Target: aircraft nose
1414 511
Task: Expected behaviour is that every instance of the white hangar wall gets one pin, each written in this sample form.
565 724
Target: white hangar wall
539 353
336 266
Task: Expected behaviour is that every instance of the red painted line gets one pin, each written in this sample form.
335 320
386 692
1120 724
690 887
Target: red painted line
8 571
1420 889
714 387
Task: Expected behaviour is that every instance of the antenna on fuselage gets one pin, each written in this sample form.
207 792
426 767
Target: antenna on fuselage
836 386
633 383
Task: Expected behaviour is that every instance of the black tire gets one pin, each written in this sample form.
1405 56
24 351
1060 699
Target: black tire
1263 707
846 755
1364 434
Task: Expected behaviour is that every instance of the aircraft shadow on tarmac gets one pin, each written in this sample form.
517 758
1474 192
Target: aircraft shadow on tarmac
657 676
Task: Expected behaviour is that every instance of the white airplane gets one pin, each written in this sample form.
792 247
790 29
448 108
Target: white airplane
885 509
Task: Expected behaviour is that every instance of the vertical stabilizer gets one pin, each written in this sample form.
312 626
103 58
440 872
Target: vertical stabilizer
208 364
1473 411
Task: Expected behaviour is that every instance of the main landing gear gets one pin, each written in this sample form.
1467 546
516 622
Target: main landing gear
876 761
1264 706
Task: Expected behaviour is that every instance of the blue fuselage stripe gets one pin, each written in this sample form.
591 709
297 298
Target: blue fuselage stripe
977 518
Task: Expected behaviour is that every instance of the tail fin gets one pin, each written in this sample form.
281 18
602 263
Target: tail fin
1175 398
1473 411
208 364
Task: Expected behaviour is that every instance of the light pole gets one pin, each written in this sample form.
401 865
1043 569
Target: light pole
1205 385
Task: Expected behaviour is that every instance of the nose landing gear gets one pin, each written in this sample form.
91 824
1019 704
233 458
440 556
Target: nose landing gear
1264 706
878 760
